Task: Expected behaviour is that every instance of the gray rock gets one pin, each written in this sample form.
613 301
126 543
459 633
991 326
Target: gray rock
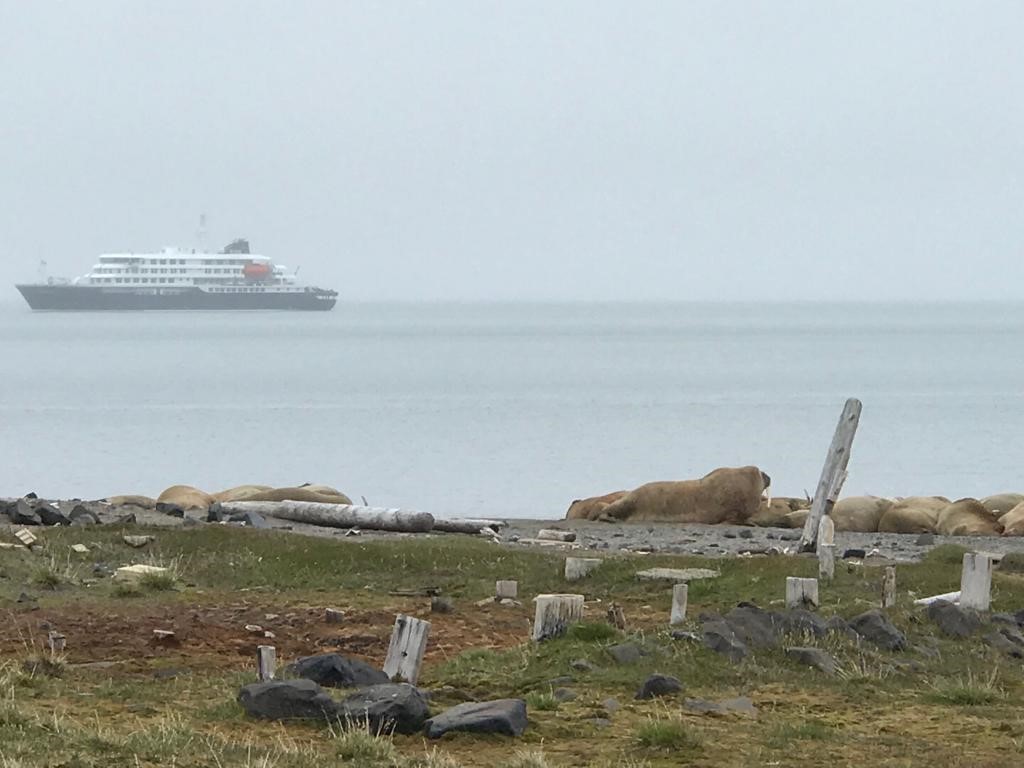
1008 640
799 621
25 597
563 694
789 537
24 514
611 706
50 515
925 539
171 510
287 700
336 671
875 627
626 653
440 604
1004 618
582 665
854 554
837 625
504 716
953 620
601 722
659 685
739 706
720 638
814 657
561 680
250 519
746 533
754 626
82 515
128 519
682 634
215 514
386 708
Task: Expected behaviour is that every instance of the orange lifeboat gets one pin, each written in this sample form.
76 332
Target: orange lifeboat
256 271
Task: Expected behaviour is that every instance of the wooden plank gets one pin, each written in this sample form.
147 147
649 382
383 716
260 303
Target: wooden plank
554 614
553 534
406 649
949 597
833 473
337 515
472 526
266 662
889 587
826 562
679 597
801 593
976 581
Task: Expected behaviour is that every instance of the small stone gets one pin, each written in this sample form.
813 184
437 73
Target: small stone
729 535
80 549
814 657
952 619
746 533
626 653
137 541
925 539
439 604
332 616
508 601
659 685
611 705
682 634
255 629
582 665
601 722
25 597
561 680
563 694
854 554
504 716
876 627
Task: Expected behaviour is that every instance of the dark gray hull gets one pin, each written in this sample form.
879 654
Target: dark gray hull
79 298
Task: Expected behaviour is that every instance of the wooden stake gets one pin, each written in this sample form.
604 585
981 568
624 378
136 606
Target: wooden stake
405 652
889 587
554 614
801 593
56 641
578 567
826 561
266 662
506 590
833 474
976 581
679 596
617 617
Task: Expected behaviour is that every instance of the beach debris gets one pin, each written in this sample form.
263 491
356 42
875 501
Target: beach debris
889 587
405 651
266 662
135 573
79 548
554 614
268 634
333 616
678 575
137 541
8 545
26 537
353 532
679 597
336 515
440 604
163 635
546 543
553 534
56 641
577 568
254 629
949 597
468 525
976 581
801 593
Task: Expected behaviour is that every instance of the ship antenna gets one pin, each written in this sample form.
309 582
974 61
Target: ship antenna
42 271
201 234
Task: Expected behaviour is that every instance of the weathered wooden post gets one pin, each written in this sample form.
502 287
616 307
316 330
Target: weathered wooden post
679 596
617 617
554 614
889 587
406 649
833 474
266 662
801 593
506 590
577 568
976 581
826 549
56 641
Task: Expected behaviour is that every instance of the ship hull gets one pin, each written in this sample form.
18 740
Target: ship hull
79 298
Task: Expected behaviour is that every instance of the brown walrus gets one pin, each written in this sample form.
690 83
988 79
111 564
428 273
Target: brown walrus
914 514
132 500
725 495
776 512
296 494
1001 503
859 514
240 492
591 509
186 497
967 517
1013 521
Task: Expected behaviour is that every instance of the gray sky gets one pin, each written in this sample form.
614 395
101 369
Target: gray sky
527 150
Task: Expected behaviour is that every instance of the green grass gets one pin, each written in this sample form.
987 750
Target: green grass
668 734
967 691
782 736
541 702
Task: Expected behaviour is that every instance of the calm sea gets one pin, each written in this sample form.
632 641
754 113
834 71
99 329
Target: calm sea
509 410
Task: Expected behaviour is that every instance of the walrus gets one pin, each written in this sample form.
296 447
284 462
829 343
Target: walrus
859 514
132 500
186 497
296 494
724 495
1001 503
240 492
967 517
914 514
1013 521
591 509
775 512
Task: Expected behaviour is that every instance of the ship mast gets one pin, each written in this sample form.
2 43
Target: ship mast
201 233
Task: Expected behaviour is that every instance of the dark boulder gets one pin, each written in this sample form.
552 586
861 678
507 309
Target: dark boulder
755 626
799 621
385 708
50 515
719 637
250 519
659 685
1007 639
875 627
626 653
953 620
24 514
336 671
854 554
82 515
287 700
814 657
171 510
504 716
215 513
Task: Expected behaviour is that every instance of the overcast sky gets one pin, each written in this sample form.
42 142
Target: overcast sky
527 150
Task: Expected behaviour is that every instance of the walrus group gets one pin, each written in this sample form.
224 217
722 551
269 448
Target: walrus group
739 495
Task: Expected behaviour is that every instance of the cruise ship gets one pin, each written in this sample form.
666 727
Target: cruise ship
176 279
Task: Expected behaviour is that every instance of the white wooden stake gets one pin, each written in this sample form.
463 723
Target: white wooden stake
976 581
801 593
679 595
554 614
506 590
889 587
56 640
266 662
578 567
826 561
405 652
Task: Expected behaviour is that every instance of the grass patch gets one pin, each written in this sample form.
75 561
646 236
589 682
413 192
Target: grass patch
591 632
158 582
1012 562
667 734
533 758
783 736
356 743
542 702
967 691
945 554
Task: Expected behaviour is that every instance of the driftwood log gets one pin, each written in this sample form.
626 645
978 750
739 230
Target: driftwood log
473 526
337 515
